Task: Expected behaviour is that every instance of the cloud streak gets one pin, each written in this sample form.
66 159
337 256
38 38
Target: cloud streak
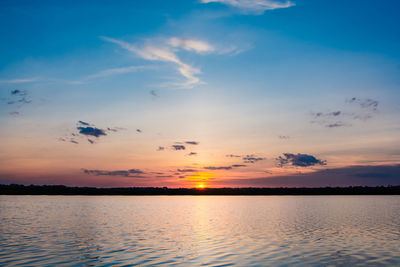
253 6
165 53
252 159
125 173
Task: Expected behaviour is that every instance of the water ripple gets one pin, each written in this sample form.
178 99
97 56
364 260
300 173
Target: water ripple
199 230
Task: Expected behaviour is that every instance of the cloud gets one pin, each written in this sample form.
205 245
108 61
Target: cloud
253 6
178 147
160 148
224 167
252 159
328 114
285 137
21 80
192 154
191 45
73 141
191 143
238 165
153 93
365 109
18 97
138 130
218 168
91 131
110 72
299 160
233 156
14 113
86 130
70 140
186 170
345 176
366 103
83 123
161 52
336 124
125 173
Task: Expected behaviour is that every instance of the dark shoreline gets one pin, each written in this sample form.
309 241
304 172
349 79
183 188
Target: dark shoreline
14 189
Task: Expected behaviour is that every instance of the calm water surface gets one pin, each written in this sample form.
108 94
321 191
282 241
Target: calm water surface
200 230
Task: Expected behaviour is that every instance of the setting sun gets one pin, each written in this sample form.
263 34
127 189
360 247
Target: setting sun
201 186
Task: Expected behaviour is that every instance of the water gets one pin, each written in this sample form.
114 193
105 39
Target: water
199 230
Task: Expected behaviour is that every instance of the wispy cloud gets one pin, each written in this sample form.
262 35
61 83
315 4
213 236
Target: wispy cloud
252 159
164 53
253 6
191 45
17 99
191 142
110 72
216 168
358 109
20 80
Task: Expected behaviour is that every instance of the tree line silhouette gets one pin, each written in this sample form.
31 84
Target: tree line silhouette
16 189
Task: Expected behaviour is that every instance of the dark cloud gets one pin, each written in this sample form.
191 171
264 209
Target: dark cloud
238 165
70 140
191 143
125 173
224 167
346 176
366 110
186 170
233 156
328 114
92 131
366 103
87 130
83 123
16 92
218 168
299 160
138 130
115 129
160 148
14 113
336 124
192 154
153 93
252 159
178 147
18 97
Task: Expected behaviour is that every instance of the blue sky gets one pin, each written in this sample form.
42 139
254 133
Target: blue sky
271 79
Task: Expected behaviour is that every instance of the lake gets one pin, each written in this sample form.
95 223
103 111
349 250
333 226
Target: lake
200 230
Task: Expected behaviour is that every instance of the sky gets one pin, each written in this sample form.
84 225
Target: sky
189 93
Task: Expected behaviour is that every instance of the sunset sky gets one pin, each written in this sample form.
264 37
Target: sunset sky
200 92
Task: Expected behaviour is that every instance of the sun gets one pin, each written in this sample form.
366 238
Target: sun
201 186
